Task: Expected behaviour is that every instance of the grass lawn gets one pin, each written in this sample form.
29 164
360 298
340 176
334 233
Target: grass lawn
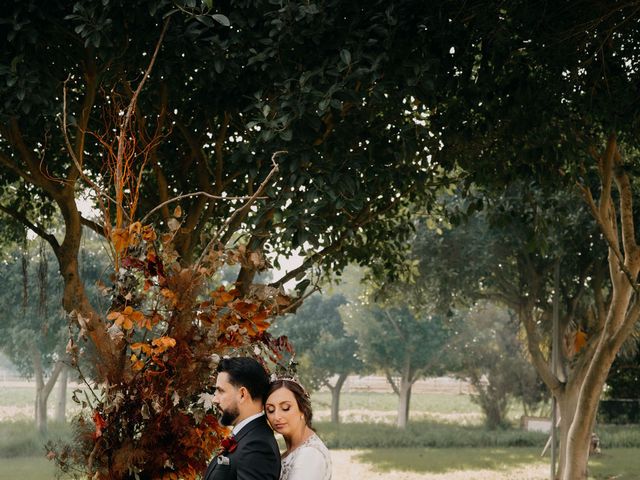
442 420
426 402
619 463
18 395
435 405
27 468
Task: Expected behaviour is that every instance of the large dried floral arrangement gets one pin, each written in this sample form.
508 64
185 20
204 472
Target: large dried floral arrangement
152 414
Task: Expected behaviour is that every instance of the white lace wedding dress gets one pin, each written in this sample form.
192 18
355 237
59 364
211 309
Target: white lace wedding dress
310 461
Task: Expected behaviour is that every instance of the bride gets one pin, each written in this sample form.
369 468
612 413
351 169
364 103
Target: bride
288 409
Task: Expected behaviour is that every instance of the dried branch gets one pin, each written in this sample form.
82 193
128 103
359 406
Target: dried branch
124 128
100 194
187 195
242 211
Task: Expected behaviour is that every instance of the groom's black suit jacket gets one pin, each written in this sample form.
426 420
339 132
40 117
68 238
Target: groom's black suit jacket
256 456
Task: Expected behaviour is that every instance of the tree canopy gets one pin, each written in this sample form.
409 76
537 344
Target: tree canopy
202 137
143 104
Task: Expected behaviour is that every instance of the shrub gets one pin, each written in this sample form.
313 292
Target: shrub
619 436
424 434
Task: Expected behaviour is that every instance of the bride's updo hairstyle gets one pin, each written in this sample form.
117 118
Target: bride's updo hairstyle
302 397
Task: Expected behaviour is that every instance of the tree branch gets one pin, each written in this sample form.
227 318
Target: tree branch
6 161
394 387
187 195
81 128
35 228
626 211
533 344
605 166
95 226
309 261
14 135
240 213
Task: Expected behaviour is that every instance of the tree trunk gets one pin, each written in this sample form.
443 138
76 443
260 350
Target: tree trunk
567 401
42 389
579 435
403 390
335 398
404 400
616 320
108 357
61 404
40 406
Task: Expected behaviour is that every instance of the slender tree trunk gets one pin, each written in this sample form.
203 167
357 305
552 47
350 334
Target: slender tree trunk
335 398
40 406
404 392
43 389
61 404
404 400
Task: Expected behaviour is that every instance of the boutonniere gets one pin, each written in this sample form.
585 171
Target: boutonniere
229 444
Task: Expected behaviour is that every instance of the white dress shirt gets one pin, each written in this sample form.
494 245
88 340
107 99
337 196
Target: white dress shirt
239 426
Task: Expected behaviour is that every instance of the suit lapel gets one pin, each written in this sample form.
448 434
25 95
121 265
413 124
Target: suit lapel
255 424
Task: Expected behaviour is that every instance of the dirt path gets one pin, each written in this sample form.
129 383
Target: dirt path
346 467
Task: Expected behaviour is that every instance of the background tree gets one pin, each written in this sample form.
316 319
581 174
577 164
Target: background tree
567 82
35 330
325 352
490 356
404 341
515 241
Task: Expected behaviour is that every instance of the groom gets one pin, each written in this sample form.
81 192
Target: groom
252 453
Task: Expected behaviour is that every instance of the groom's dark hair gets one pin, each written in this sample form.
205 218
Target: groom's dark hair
248 373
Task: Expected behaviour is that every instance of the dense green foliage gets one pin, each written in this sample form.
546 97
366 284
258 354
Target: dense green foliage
220 101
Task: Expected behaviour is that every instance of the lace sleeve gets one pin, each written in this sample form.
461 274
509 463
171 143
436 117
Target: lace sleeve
309 464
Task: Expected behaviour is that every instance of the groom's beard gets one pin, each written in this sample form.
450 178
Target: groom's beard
229 416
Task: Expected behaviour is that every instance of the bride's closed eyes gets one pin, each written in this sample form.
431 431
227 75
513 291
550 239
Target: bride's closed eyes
286 406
